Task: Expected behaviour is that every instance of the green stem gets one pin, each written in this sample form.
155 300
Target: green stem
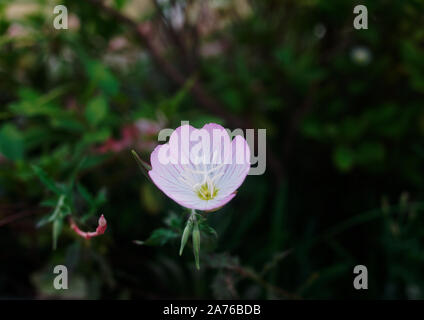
196 239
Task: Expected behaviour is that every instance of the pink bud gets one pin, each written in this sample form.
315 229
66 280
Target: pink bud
102 221
101 228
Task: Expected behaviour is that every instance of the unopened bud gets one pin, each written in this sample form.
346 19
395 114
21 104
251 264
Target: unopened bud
102 221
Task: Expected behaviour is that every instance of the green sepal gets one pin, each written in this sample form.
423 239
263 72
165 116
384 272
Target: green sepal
187 230
196 244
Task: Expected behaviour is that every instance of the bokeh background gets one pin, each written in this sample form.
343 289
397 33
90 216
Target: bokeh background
343 109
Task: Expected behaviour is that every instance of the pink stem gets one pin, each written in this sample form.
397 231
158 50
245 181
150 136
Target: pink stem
101 228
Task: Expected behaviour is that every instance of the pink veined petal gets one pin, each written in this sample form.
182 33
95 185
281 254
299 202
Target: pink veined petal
220 146
215 203
172 178
180 146
167 178
235 173
208 205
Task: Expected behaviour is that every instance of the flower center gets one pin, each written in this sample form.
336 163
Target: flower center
207 191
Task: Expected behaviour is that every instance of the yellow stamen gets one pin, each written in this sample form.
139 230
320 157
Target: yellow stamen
207 191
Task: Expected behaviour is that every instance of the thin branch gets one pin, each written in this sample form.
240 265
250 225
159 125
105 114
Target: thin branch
143 32
176 37
22 214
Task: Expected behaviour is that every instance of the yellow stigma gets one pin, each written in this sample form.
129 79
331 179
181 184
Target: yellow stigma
205 192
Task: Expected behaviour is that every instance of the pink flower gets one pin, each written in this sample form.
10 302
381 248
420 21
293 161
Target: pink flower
200 168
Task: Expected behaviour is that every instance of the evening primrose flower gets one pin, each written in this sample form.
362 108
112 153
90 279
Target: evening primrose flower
200 168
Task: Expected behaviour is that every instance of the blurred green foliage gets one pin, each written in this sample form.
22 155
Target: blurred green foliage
343 109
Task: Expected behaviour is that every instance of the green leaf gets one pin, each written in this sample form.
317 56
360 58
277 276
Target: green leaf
102 77
100 197
61 210
187 230
144 166
11 142
49 202
170 106
343 158
159 237
58 215
97 136
370 152
73 177
96 110
233 99
49 183
32 103
67 122
43 221
85 193
203 226
208 230
196 244
119 4
173 221
201 120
